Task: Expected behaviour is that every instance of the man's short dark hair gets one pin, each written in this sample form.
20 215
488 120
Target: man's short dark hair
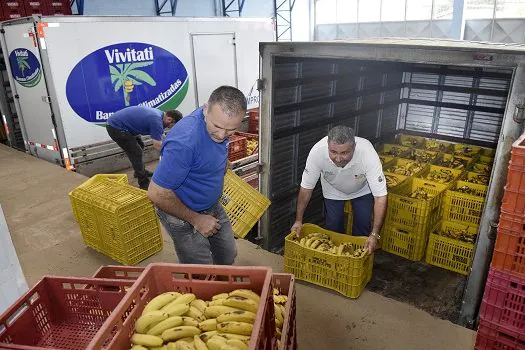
231 100
341 134
174 114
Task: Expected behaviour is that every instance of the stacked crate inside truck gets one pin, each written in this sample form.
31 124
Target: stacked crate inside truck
502 312
243 153
35 7
57 7
423 176
12 9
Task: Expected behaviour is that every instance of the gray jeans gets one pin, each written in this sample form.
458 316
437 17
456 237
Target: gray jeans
193 248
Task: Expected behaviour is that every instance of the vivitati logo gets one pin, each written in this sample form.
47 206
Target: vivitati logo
25 67
126 74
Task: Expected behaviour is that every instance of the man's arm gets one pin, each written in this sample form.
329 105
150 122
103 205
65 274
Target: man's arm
380 205
168 202
303 198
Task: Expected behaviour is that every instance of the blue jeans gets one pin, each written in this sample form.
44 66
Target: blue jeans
193 248
362 209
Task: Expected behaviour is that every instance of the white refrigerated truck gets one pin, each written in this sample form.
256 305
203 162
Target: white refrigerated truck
69 74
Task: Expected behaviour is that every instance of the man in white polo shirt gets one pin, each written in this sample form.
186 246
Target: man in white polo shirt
350 169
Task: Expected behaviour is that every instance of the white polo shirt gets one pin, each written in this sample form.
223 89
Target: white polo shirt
361 176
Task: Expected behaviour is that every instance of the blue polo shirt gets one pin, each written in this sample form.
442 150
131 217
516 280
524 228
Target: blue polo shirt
192 164
139 120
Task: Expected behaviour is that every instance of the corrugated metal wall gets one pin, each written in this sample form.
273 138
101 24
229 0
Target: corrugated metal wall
376 98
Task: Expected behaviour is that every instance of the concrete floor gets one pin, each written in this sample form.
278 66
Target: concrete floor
34 197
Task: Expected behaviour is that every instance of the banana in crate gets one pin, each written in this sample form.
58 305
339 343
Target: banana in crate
441 176
322 242
182 321
409 168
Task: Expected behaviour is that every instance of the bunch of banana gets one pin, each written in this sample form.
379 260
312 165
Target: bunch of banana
408 169
251 146
458 234
382 159
467 190
279 302
175 321
435 146
410 141
441 176
322 242
422 156
454 162
464 151
482 169
479 179
391 181
420 193
394 151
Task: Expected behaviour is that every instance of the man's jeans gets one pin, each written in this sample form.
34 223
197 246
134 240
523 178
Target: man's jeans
362 209
132 146
193 248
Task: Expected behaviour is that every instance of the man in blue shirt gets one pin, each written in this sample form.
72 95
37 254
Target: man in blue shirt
125 127
188 182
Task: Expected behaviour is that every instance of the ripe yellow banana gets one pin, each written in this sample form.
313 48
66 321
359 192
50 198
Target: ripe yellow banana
179 333
199 343
181 345
280 299
216 302
207 335
220 296
216 311
216 342
228 347
247 294
138 347
278 314
199 304
163 347
189 321
194 313
242 328
149 320
238 344
184 299
243 338
302 242
283 310
160 327
176 309
208 325
239 315
160 301
241 303
146 340
278 323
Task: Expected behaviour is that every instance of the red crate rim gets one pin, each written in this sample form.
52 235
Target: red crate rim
519 144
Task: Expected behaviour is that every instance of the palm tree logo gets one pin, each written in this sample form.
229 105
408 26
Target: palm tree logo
126 76
21 61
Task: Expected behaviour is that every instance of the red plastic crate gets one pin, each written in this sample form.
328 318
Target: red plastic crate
516 179
492 336
285 282
119 272
504 301
58 7
35 7
236 148
204 281
253 121
12 9
509 251
60 313
518 152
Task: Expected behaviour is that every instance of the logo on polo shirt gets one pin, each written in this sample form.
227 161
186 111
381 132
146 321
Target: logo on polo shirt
125 74
380 179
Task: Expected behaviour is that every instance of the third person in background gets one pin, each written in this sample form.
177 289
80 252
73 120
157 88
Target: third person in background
350 169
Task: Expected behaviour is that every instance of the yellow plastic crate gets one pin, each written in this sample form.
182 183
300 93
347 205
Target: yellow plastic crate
475 178
393 150
388 167
446 160
411 141
450 253
344 274
485 160
465 150
406 243
423 156
487 152
120 178
411 214
393 180
118 220
458 206
385 159
437 146
454 173
243 204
